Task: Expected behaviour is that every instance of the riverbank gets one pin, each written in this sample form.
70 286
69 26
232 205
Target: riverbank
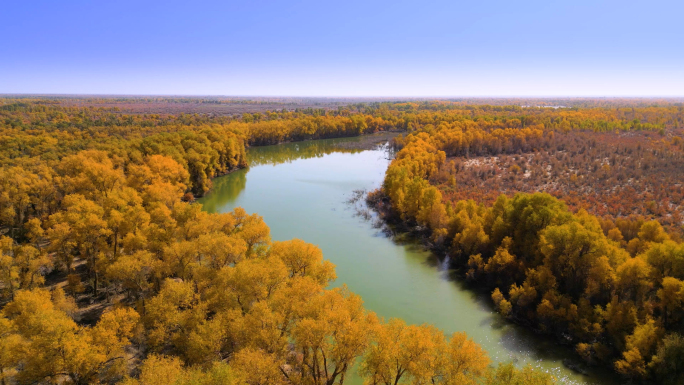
344 143
394 226
370 141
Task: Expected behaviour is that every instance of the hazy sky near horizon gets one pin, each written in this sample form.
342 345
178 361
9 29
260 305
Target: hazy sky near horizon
350 48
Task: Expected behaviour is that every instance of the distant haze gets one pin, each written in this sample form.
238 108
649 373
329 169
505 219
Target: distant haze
350 48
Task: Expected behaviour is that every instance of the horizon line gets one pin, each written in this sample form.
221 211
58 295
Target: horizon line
6 94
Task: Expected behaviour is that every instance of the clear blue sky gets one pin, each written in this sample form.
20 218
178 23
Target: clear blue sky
344 48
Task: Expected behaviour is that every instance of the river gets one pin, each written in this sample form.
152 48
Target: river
303 191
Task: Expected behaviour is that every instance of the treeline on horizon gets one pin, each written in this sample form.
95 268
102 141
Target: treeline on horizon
108 271
332 102
75 128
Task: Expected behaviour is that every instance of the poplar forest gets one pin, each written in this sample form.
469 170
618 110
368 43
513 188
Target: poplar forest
568 213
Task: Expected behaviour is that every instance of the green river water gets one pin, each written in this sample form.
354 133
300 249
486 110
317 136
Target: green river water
303 190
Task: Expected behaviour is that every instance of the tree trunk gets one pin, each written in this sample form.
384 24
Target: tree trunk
95 283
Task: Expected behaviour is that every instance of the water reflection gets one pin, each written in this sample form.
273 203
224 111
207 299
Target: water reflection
289 152
226 191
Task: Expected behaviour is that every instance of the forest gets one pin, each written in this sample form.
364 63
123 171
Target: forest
570 217
576 229
110 274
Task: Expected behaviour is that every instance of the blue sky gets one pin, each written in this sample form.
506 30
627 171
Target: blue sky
350 48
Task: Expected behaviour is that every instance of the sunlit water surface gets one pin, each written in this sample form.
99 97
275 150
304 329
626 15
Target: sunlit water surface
303 190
